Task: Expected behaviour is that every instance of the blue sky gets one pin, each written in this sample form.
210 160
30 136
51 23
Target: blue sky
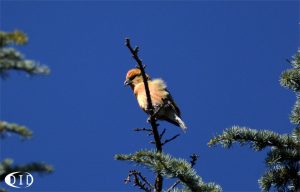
221 61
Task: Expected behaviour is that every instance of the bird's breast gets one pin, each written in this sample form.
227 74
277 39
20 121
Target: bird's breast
157 95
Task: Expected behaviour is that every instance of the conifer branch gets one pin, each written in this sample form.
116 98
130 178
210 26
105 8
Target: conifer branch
296 134
283 167
12 38
150 109
291 79
6 127
193 161
257 140
295 114
170 167
282 177
11 59
6 167
282 155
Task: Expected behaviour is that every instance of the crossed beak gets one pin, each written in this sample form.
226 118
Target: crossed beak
127 82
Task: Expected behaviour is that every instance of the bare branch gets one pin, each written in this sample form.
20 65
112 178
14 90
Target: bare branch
150 109
139 180
145 180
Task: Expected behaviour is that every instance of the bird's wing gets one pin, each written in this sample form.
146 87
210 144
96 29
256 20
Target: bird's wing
172 103
163 95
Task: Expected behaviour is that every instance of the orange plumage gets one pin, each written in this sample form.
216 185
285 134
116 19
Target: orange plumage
160 97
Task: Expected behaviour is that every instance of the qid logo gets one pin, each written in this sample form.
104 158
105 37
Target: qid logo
19 179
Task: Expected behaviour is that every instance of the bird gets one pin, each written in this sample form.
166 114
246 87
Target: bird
164 106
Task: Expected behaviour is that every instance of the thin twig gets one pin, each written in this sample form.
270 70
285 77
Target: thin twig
145 180
150 109
194 159
173 186
137 182
171 139
150 132
142 129
162 133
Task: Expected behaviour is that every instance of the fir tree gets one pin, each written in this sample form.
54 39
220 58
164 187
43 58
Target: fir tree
283 157
13 60
159 162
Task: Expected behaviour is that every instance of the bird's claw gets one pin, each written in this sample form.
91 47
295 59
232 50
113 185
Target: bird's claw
148 110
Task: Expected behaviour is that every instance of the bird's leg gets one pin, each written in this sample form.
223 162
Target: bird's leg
155 112
148 119
149 111
157 109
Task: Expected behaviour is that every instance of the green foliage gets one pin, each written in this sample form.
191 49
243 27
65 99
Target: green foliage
6 167
291 80
282 177
170 167
283 159
258 140
14 128
12 38
295 114
11 59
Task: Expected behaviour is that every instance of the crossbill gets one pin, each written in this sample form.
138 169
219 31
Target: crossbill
164 106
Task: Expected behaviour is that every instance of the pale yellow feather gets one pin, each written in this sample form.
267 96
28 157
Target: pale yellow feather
157 89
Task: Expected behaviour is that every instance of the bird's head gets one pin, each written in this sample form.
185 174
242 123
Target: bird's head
134 77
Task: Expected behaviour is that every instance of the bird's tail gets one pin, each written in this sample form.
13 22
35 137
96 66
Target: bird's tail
181 123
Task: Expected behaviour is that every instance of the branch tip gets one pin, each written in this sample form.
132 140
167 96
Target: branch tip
127 41
171 139
136 50
194 159
162 133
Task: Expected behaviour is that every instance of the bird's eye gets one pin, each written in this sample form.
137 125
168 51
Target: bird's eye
131 78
